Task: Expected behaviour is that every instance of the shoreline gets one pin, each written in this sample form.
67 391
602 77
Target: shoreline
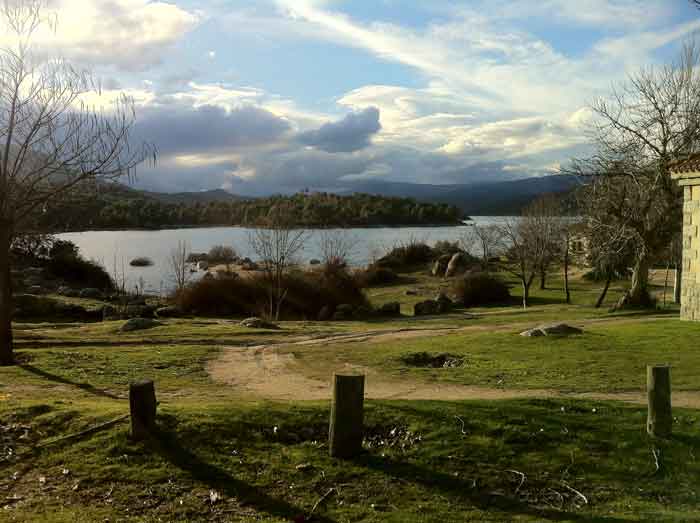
316 228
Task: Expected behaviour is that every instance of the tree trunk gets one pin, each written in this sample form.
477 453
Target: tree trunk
6 307
566 272
526 291
543 279
638 294
677 283
604 292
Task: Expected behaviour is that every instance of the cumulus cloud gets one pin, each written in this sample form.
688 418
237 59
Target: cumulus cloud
352 133
176 128
132 35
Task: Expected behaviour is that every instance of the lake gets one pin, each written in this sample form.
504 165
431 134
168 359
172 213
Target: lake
115 249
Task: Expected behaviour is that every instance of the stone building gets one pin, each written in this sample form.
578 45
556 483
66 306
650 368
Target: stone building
687 173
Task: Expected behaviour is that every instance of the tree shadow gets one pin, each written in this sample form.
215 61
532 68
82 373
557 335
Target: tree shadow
171 449
466 491
90 389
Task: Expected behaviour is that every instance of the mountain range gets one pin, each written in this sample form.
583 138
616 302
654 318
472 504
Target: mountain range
483 198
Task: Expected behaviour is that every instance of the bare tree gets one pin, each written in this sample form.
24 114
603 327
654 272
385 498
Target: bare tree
639 130
179 267
51 142
487 238
543 219
521 257
277 245
336 246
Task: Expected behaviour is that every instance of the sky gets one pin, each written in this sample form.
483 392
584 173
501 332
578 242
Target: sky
273 96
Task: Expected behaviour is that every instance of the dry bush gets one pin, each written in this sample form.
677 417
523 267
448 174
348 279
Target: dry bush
481 288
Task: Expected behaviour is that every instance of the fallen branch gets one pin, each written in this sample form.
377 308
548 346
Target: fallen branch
321 500
463 424
657 455
522 478
569 487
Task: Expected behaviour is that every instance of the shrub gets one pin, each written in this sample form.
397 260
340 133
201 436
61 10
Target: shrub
141 262
443 247
406 256
375 275
66 263
481 288
221 254
307 293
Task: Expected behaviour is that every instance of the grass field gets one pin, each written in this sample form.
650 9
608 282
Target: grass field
223 454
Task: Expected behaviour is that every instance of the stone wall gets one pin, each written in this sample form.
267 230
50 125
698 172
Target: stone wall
690 287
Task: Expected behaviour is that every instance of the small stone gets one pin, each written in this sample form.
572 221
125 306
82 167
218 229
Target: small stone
136 324
258 323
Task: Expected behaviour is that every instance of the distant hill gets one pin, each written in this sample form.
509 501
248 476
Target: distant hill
485 198
215 195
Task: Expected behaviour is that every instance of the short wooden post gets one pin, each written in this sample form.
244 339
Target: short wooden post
347 416
142 401
659 417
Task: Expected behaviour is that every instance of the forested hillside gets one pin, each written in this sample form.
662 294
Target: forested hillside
120 207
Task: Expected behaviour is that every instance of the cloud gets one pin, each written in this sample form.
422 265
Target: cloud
176 128
352 133
132 35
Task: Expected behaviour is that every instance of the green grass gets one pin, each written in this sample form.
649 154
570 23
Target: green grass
424 461
606 358
440 471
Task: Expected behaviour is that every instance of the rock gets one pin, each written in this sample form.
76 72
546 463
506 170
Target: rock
168 312
248 265
110 313
444 302
314 262
426 308
63 290
457 263
440 265
411 292
138 324
91 293
208 276
258 323
326 313
202 265
344 311
393 308
554 329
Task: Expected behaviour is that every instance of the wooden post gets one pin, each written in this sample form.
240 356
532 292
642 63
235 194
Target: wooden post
347 416
659 417
142 401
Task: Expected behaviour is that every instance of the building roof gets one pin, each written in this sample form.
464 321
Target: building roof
689 164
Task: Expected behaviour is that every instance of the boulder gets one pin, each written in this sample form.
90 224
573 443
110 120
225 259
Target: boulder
326 313
314 262
554 329
138 324
457 264
440 265
411 292
258 323
110 313
427 308
168 312
202 265
393 308
444 302
248 265
344 311
91 293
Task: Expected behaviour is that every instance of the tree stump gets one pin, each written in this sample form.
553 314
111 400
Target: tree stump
659 417
347 416
142 401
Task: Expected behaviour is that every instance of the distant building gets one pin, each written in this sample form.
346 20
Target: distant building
687 173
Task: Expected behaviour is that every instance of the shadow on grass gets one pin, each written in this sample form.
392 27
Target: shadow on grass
65 381
465 490
171 448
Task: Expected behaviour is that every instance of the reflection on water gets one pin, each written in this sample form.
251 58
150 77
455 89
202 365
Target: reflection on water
115 249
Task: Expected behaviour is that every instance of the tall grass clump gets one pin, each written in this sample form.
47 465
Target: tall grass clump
481 288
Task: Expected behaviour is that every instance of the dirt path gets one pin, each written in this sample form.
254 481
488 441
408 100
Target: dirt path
267 372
